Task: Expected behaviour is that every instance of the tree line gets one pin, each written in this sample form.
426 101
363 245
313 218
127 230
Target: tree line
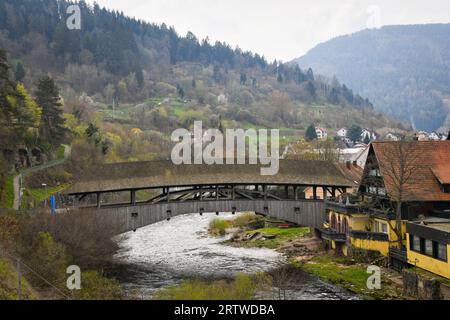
27 121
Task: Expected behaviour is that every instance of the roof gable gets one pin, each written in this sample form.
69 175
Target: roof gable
428 164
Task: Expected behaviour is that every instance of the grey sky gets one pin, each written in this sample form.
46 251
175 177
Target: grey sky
281 29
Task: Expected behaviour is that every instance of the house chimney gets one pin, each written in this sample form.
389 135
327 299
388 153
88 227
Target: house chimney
349 165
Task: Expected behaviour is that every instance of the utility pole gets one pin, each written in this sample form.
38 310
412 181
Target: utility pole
19 281
20 190
114 108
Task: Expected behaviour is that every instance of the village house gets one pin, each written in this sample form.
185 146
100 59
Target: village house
401 209
342 133
434 136
321 133
367 133
392 137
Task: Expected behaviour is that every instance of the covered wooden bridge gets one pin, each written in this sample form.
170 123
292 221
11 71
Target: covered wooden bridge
140 193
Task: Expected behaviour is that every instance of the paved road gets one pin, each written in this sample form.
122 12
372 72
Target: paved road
17 179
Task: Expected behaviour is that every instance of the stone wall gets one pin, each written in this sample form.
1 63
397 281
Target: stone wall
424 288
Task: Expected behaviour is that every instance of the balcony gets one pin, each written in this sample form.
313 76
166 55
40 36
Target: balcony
332 235
340 207
366 235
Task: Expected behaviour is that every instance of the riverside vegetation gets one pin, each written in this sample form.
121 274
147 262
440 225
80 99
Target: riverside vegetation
45 247
302 252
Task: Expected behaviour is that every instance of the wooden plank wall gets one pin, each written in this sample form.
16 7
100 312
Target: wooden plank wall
309 213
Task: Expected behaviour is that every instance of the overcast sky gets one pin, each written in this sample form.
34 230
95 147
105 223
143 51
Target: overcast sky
281 29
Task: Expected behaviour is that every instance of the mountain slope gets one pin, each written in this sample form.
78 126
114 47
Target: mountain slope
403 70
137 75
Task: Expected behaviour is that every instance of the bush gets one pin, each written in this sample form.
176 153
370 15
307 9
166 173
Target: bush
8 283
219 226
87 239
94 286
243 287
249 220
9 230
48 259
52 177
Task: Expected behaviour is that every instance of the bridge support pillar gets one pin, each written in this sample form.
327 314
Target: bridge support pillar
99 198
133 197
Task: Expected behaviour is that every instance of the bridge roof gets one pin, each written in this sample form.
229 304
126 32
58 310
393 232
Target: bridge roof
158 174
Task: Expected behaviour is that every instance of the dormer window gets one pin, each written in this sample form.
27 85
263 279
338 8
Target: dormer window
442 174
375 173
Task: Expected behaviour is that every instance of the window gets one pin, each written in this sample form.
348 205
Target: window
415 243
381 227
382 191
428 248
373 190
441 251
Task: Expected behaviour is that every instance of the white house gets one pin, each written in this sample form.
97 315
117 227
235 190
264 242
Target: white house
434 136
367 133
321 133
342 133
392 137
421 136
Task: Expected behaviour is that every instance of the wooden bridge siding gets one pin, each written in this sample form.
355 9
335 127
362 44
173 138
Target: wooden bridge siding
311 213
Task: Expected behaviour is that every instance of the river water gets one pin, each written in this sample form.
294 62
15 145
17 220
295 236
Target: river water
167 252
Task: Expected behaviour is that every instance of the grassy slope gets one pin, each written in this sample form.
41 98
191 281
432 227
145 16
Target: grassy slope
8 199
353 277
283 235
8 283
40 194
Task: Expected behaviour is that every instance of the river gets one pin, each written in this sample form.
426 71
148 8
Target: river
167 252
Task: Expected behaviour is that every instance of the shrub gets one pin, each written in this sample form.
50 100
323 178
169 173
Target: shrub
48 259
9 230
243 287
94 286
219 226
52 177
88 240
249 220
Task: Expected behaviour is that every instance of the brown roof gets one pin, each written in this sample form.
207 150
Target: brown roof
352 171
442 173
428 162
156 174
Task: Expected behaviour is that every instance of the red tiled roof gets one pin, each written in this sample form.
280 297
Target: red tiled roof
429 163
351 171
442 173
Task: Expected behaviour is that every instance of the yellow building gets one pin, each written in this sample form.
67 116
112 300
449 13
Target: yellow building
429 245
349 229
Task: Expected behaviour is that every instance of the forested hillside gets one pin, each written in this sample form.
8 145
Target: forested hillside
125 85
403 70
116 57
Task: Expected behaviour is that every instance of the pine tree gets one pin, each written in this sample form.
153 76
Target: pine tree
311 133
354 133
52 130
20 72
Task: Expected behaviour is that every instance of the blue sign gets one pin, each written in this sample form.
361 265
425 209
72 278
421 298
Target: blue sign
53 204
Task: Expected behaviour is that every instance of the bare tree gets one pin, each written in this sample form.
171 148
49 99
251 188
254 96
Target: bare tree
284 276
399 165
